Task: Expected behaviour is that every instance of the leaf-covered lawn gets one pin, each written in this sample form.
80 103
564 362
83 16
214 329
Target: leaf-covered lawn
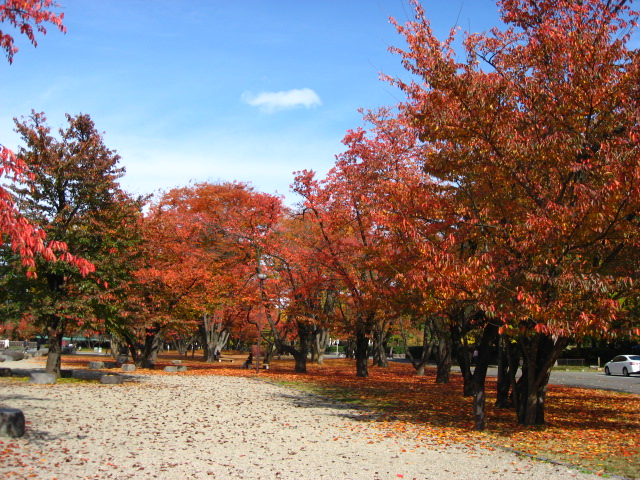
593 429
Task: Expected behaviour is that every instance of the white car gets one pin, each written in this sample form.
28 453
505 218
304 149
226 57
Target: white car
623 364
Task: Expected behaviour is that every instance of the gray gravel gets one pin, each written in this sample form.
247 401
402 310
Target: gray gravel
180 426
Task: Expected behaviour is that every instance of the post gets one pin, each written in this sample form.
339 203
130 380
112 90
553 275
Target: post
258 346
262 277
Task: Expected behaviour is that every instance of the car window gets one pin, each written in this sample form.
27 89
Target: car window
619 358
634 357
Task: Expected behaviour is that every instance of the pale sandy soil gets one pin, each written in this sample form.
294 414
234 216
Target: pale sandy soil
190 427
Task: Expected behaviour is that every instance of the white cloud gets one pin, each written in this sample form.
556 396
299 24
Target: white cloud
274 101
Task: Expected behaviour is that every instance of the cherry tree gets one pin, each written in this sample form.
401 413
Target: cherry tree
536 131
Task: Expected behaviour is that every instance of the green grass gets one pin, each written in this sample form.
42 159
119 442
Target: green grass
59 381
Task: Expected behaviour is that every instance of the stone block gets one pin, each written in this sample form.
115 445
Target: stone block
176 362
122 358
110 365
175 368
111 379
85 374
96 365
128 367
11 422
42 378
14 355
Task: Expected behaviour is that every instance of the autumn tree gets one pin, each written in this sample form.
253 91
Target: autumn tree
306 289
238 223
25 238
537 132
72 195
352 245
170 275
202 252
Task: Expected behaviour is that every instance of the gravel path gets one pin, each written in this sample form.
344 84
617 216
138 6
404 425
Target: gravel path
190 427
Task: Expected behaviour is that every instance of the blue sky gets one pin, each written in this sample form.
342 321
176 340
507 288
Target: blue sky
209 90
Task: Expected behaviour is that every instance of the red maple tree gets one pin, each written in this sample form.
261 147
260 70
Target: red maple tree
537 134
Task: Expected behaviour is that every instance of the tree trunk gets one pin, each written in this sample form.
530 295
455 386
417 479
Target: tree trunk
540 352
269 353
380 338
213 336
152 345
300 356
504 382
300 362
479 377
115 346
320 340
461 347
350 348
55 330
443 360
508 361
362 355
183 348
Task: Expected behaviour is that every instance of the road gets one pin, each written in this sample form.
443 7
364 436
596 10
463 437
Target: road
596 379
589 378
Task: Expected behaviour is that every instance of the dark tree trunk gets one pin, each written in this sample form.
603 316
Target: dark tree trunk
152 345
540 352
55 330
480 373
269 352
362 355
133 347
304 333
350 348
380 338
461 348
300 357
443 357
443 362
508 360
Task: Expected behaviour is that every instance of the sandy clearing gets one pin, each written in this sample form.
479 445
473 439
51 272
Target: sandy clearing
197 427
